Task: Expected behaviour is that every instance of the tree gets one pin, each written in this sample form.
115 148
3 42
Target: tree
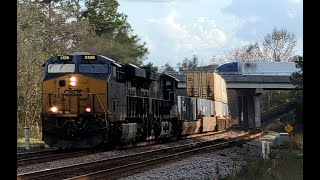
218 60
246 53
73 9
30 37
279 45
189 64
103 16
297 77
113 31
151 67
167 68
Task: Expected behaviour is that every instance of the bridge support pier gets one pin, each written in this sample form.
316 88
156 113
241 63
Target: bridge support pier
248 110
257 107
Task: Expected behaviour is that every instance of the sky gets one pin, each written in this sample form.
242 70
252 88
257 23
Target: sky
176 29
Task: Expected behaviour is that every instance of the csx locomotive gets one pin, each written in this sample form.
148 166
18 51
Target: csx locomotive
89 100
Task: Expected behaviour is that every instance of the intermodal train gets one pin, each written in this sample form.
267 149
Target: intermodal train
90 100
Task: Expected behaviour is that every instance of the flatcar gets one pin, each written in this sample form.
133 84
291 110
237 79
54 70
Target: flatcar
90 100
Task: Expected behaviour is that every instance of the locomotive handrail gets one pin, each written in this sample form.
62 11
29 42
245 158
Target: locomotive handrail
103 107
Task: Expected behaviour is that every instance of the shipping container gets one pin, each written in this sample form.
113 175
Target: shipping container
191 127
224 97
209 124
206 85
197 83
225 110
192 85
187 108
218 108
191 108
221 124
204 107
228 122
210 86
203 85
217 87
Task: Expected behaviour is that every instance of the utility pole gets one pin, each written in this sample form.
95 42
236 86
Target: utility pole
27 134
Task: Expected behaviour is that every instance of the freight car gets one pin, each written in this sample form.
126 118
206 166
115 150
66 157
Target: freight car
257 68
90 100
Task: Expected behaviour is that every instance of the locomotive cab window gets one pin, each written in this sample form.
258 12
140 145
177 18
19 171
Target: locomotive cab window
61 68
114 71
93 68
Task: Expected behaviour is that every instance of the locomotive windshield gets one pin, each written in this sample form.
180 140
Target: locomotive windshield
93 68
61 68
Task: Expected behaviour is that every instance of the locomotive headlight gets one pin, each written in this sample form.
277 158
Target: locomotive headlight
88 109
73 81
54 109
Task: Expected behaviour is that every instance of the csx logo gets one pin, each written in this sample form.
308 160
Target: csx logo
72 92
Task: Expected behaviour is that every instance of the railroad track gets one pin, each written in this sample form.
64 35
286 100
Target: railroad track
35 154
24 159
110 168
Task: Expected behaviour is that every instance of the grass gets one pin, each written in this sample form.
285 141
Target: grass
283 164
281 167
33 143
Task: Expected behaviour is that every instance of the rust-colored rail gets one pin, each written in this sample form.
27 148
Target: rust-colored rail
41 157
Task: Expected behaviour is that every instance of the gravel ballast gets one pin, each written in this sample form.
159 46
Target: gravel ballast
189 166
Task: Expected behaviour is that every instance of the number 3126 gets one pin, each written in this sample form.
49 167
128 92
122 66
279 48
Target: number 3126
89 57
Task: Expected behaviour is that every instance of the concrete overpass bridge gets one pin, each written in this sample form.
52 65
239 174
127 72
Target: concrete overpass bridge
268 82
248 90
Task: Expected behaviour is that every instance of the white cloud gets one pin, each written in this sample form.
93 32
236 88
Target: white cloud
201 19
295 1
151 20
175 29
202 34
291 13
151 45
253 19
294 8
